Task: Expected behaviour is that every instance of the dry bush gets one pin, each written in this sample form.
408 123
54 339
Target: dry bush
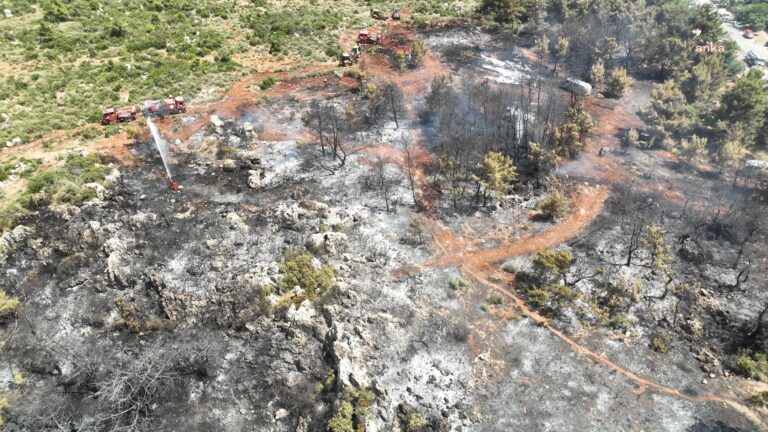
8 306
554 206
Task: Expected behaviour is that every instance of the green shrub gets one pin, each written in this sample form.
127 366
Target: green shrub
659 345
398 61
298 269
537 296
90 133
618 82
278 29
224 56
149 52
5 171
554 206
32 167
755 366
8 306
418 51
415 421
457 284
342 419
268 82
65 185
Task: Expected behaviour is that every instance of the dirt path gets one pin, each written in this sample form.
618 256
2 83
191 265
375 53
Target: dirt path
414 83
586 204
642 170
242 96
587 201
482 274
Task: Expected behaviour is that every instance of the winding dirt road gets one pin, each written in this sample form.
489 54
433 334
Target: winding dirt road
586 204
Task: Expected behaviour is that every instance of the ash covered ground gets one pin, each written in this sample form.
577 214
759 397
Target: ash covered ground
153 309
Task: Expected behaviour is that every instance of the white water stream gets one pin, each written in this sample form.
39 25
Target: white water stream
162 147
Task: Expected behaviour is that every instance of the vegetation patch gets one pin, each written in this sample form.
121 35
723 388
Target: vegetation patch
457 284
352 411
82 57
62 184
659 344
554 206
300 269
8 306
758 399
268 82
753 366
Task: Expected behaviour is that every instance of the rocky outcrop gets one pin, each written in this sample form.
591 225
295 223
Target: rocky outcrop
229 165
102 193
236 222
176 306
692 251
142 219
314 214
113 177
116 251
218 124
11 240
304 314
326 243
254 179
348 348
64 211
232 130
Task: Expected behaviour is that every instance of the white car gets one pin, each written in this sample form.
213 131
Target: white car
754 59
725 15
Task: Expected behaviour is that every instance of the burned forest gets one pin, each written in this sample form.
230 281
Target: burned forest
491 215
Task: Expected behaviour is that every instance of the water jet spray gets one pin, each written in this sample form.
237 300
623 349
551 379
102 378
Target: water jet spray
162 148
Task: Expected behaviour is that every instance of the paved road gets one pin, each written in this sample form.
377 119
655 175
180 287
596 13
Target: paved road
745 45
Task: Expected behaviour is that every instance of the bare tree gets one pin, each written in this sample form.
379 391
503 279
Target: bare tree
382 181
317 119
126 396
334 124
406 142
392 97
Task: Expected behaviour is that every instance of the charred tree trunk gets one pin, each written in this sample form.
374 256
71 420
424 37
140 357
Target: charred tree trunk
759 327
409 165
634 242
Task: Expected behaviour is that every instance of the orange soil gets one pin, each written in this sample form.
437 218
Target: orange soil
586 204
586 201
115 146
480 274
240 97
412 83
614 115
